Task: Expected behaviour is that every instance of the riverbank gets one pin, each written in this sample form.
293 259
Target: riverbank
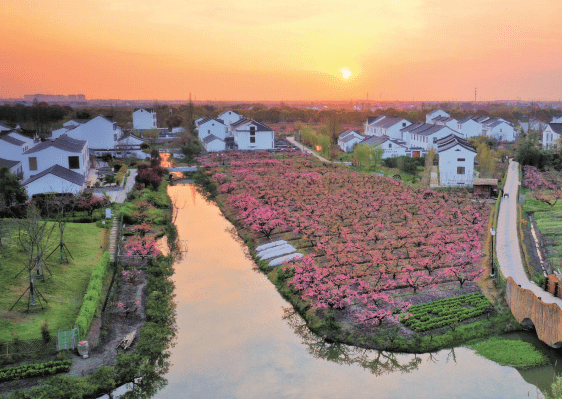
337 323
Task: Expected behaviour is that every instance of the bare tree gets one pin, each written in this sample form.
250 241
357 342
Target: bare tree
34 233
62 208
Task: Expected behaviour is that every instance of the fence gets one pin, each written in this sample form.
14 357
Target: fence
26 348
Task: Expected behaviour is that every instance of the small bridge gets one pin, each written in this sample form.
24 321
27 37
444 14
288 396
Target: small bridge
531 311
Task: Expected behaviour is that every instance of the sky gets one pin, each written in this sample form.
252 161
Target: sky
251 50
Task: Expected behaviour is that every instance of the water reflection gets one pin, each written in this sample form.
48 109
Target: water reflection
376 362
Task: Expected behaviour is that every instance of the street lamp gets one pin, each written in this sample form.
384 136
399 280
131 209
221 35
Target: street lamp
493 269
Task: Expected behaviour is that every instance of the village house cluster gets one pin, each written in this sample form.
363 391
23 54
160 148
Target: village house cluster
62 162
231 131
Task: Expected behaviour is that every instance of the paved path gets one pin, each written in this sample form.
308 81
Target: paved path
118 194
183 169
507 243
304 149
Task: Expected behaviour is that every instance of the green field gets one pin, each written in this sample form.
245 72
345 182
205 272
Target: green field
549 222
64 290
510 352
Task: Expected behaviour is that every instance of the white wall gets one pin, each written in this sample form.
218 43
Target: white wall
449 162
51 184
11 151
470 129
392 150
350 145
503 132
99 132
212 127
229 117
215 146
438 112
264 140
549 137
427 142
143 119
54 156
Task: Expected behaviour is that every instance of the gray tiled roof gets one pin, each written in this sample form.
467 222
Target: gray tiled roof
209 138
452 140
61 172
556 127
349 137
346 132
374 140
8 163
260 127
64 143
146 109
373 119
411 127
12 140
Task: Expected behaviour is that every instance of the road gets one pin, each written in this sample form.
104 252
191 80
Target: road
304 149
507 243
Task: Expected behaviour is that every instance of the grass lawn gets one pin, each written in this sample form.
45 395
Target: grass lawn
549 222
64 291
509 352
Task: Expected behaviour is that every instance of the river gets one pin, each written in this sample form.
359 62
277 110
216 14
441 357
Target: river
238 338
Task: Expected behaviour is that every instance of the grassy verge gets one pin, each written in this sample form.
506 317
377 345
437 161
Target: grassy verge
64 290
510 352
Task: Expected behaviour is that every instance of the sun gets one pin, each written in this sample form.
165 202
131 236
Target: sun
346 73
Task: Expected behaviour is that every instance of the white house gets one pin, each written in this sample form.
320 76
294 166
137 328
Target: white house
391 147
251 135
434 114
64 151
4 127
551 135
534 125
556 119
391 127
130 146
100 133
14 166
216 127
144 118
370 124
498 129
229 117
469 127
214 144
451 123
55 179
426 135
75 122
348 139
456 161
12 148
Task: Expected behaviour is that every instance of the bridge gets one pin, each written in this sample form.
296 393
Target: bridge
531 305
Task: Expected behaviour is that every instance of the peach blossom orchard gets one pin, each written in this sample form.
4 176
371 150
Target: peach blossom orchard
365 237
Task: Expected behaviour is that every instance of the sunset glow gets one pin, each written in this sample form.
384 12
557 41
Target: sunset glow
255 50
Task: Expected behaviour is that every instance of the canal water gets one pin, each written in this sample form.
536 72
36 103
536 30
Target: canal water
238 338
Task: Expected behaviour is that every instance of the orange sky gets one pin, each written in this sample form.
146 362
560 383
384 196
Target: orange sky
283 50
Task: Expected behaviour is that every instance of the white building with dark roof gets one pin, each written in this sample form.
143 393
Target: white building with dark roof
251 135
348 139
469 127
55 179
426 135
456 161
214 144
451 123
64 151
434 114
215 126
392 147
144 118
229 117
498 129
551 136
12 148
14 167
370 128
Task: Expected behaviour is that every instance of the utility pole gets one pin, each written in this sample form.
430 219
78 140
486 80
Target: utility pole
475 94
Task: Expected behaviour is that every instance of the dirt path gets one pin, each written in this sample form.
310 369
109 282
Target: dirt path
509 255
304 149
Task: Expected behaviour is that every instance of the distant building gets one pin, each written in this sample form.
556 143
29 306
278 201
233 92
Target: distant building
229 117
55 179
434 114
348 139
551 136
144 118
391 147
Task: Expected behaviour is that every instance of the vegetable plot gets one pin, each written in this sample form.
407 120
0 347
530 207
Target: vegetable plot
35 370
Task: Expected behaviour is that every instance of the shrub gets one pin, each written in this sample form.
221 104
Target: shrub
121 174
45 332
92 296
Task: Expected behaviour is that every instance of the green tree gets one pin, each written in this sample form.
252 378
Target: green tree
429 158
487 160
326 143
528 153
174 121
376 156
362 155
151 135
11 190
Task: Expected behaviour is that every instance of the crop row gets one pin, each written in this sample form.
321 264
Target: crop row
35 370
445 312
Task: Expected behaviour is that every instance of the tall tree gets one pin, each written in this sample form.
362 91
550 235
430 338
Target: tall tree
11 190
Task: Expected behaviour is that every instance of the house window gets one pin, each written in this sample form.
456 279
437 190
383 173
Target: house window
435 139
252 134
389 145
32 163
460 170
73 162
460 159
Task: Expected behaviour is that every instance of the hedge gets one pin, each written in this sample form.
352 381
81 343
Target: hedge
93 295
120 175
34 370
